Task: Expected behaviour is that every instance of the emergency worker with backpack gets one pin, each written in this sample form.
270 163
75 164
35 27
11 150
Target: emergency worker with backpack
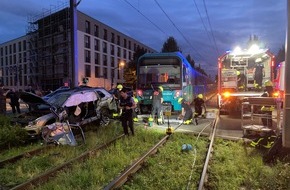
199 104
188 114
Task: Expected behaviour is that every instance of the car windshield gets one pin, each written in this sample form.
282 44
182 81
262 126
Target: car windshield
58 100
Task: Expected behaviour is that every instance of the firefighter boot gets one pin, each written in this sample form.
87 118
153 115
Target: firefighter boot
187 122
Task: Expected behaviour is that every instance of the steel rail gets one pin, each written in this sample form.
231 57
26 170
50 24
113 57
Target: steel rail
53 172
122 178
25 154
209 152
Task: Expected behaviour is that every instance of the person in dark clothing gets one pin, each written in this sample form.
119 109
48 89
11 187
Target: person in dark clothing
127 104
157 104
259 73
188 114
241 81
198 105
2 101
267 110
14 100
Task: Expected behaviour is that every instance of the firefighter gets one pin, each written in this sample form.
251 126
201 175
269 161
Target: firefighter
116 95
240 81
135 111
127 105
186 109
259 73
157 104
198 105
267 110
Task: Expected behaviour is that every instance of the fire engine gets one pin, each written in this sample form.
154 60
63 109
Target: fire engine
280 80
242 73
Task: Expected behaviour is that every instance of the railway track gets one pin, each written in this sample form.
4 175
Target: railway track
44 177
120 179
133 168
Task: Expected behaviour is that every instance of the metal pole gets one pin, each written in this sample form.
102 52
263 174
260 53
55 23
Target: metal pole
286 108
74 43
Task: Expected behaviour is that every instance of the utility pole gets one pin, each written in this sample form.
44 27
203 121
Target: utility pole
74 43
286 107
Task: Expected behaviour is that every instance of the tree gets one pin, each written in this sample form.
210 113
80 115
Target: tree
280 55
190 60
170 45
130 75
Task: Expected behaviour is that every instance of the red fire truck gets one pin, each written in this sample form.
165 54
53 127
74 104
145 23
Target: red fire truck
242 73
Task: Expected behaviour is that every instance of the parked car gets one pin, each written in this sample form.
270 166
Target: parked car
82 105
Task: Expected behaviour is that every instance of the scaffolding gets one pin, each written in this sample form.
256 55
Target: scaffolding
49 48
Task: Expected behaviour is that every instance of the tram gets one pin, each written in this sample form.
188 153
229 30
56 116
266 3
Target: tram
171 71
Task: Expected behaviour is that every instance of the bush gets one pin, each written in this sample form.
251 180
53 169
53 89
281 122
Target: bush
11 135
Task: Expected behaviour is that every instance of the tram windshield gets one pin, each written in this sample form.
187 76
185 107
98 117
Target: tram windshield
159 72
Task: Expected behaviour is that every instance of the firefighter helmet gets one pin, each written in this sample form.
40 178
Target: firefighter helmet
268 83
161 88
258 60
120 87
200 96
238 73
180 100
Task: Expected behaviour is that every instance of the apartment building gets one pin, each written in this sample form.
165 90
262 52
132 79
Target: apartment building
42 58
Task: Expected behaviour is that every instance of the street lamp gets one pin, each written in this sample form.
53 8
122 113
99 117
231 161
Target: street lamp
121 64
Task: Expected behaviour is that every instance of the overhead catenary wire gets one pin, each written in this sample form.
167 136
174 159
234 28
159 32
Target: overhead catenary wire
186 40
146 18
211 31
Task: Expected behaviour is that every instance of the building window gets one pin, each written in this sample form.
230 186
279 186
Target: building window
124 54
118 51
96 31
97 72
88 27
14 48
87 56
105 72
125 43
24 45
19 46
104 47
97 59
87 42
129 45
112 62
118 40
105 60
130 55
112 50
112 37
87 70
105 34
97 45
24 57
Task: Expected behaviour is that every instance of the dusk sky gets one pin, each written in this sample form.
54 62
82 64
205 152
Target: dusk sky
205 29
